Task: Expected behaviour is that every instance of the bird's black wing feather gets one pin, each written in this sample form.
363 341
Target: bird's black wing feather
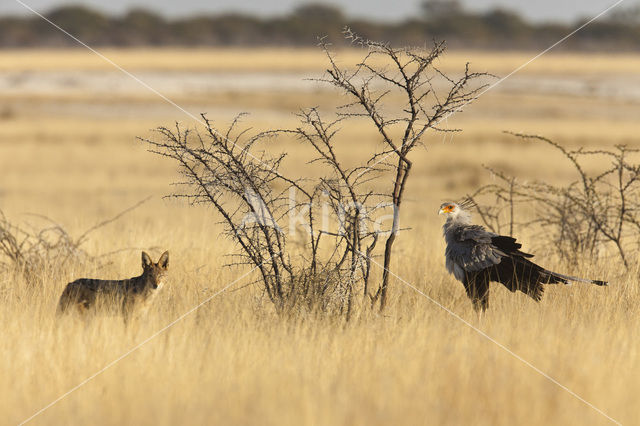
509 245
517 272
486 256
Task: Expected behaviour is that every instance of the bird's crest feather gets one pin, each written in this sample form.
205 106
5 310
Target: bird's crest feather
467 203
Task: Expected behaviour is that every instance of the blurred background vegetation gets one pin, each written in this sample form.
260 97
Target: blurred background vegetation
435 19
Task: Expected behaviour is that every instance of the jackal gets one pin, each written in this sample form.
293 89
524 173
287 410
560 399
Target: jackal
125 295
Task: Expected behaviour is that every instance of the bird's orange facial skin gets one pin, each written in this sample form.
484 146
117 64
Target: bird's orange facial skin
447 209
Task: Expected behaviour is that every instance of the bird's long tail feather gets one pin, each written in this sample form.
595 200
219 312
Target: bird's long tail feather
576 279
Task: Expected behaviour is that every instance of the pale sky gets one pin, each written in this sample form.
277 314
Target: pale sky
535 10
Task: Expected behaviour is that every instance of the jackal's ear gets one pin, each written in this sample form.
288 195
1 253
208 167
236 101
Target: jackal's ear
164 260
146 260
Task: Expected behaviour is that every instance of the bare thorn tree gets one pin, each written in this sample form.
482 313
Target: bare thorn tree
255 197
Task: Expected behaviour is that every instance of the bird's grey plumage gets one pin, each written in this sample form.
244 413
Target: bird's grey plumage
476 256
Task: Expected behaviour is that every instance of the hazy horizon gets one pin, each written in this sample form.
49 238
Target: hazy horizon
542 10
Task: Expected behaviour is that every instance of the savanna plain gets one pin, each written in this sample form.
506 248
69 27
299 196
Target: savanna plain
68 151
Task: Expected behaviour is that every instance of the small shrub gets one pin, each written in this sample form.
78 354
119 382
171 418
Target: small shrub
33 252
598 209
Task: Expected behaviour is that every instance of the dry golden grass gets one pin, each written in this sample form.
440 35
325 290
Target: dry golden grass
233 361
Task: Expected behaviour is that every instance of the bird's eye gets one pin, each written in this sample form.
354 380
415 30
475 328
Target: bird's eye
450 207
